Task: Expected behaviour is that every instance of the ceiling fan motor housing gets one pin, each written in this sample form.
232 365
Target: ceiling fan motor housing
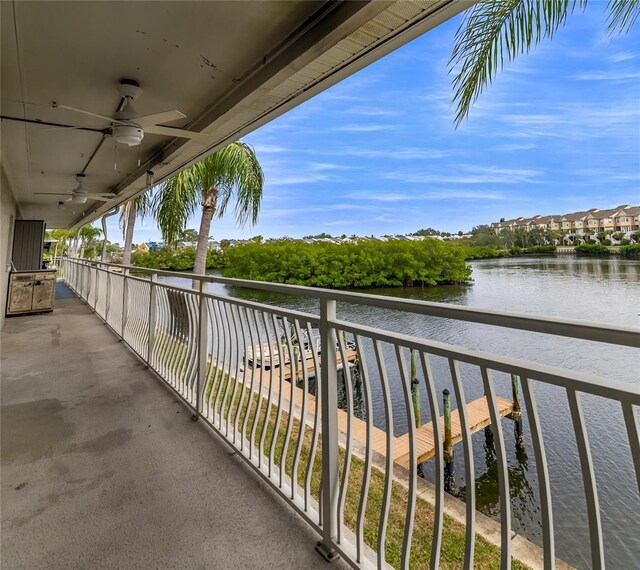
130 135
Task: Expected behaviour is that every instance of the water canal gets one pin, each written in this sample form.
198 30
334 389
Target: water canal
600 290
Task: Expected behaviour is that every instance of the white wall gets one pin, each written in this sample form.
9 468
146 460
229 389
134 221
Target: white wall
8 214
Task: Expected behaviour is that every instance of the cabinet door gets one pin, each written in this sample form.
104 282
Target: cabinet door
43 292
20 296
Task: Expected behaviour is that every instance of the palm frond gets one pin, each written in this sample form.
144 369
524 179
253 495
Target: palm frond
176 200
236 174
141 204
492 31
231 174
623 14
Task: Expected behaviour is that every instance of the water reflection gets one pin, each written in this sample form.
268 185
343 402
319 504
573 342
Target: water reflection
524 503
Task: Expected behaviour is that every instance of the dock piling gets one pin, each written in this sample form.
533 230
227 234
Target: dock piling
449 472
415 396
517 412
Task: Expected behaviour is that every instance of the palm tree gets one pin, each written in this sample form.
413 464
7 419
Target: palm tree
87 235
495 30
230 173
140 206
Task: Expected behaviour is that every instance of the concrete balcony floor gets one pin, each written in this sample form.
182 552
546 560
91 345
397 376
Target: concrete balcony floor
102 466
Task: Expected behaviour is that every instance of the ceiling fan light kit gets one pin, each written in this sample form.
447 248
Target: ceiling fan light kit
130 135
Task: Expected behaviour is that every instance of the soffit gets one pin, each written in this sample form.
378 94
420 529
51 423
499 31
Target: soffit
229 66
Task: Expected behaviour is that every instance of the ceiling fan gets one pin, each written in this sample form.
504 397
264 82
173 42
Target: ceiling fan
79 195
129 127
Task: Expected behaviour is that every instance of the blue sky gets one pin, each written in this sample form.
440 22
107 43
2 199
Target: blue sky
558 131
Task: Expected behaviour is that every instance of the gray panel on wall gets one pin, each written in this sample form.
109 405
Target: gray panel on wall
28 240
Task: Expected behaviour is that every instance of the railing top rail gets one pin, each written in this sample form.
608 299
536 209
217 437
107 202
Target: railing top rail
587 383
584 330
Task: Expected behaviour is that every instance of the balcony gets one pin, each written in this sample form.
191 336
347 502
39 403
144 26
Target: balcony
99 446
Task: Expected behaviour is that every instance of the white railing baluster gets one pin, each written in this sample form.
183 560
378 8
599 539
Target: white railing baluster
315 435
251 325
348 445
588 478
388 471
413 460
242 317
236 375
436 543
366 480
256 417
469 472
203 349
329 389
293 366
152 317
503 472
633 429
303 413
548 541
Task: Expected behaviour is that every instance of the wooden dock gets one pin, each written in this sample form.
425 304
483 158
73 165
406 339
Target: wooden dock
478 418
477 414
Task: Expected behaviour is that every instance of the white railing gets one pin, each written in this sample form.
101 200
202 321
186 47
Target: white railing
339 442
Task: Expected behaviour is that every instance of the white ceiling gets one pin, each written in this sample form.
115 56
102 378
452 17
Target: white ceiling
228 66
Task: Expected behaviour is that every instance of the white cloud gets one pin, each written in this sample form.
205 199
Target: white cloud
605 76
622 56
409 153
514 147
469 174
355 128
372 112
295 178
436 195
267 148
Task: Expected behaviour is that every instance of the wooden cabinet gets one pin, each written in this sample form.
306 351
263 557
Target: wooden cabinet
31 292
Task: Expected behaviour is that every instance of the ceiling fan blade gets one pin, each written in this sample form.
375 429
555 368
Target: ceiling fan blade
111 120
53 193
180 133
146 121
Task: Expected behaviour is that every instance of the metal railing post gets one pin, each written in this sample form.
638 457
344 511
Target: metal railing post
107 300
203 349
152 317
329 411
87 293
97 287
125 301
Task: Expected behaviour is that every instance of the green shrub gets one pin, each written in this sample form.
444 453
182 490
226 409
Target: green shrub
625 241
606 242
630 251
541 249
481 251
179 259
591 242
592 249
365 264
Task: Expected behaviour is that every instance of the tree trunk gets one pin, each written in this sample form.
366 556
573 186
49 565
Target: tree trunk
82 251
128 239
209 201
